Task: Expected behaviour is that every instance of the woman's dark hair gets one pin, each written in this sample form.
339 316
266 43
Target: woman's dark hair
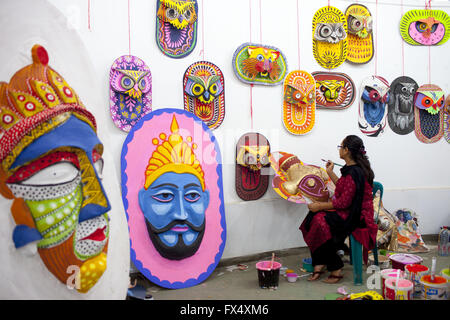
356 147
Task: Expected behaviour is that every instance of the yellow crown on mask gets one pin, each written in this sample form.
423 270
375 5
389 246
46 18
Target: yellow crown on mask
173 154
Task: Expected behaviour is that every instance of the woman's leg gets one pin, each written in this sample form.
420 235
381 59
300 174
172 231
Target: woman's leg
318 262
333 262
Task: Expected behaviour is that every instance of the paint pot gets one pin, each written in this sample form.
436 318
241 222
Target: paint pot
291 277
387 274
399 290
383 261
268 273
400 260
414 272
434 290
307 264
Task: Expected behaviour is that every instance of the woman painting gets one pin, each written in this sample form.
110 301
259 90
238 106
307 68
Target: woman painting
349 211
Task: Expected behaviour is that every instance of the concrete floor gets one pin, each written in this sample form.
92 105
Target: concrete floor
226 283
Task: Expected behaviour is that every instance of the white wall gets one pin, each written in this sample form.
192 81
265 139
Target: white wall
415 175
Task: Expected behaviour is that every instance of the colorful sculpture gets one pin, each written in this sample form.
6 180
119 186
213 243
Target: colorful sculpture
204 92
334 90
252 164
298 182
372 105
360 38
299 104
51 166
329 31
425 27
429 117
259 64
173 197
401 105
130 91
176 27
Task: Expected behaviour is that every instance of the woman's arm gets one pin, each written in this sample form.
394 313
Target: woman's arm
320 206
329 168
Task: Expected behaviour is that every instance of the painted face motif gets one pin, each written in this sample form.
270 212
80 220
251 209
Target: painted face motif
372 107
176 27
259 64
333 90
130 91
55 177
204 94
425 27
299 103
429 120
252 156
360 42
329 37
174 208
401 105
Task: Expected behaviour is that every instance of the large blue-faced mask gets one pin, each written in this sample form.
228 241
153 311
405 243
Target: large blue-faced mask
174 207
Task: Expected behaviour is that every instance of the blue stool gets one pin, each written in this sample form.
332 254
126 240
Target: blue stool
356 247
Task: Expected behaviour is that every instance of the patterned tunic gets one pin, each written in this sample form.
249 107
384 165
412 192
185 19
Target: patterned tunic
319 231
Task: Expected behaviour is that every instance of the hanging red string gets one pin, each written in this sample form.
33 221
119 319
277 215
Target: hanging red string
260 23
298 37
376 37
403 43
203 34
89 15
251 86
429 48
129 30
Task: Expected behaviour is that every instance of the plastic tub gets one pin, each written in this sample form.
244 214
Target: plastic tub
399 290
291 277
414 272
434 290
307 264
387 274
268 274
400 260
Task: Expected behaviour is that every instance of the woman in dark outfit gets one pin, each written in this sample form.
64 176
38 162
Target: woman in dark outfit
349 211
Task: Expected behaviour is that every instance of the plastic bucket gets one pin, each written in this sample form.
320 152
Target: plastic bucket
434 290
400 260
414 272
268 274
307 264
291 277
399 290
387 274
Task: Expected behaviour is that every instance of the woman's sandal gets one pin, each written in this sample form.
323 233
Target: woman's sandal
330 277
316 273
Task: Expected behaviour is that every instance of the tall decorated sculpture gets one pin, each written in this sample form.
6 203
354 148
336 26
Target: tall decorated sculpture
51 167
173 196
428 113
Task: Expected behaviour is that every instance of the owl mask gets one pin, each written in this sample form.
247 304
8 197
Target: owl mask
429 118
333 90
130 91
252 159
401 105
329 37
176 27
373 105
296 181
299 104
259 64
51 168
360 42
447 119
204 93
425 27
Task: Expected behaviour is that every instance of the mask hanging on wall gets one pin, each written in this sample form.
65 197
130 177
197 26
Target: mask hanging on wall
51 166
447 119
176 27
401 105
334 90
130 91
425 27
296 181
373 105
329 37
360 36
299 103
252 166
173 196
429 117
204 92
259 64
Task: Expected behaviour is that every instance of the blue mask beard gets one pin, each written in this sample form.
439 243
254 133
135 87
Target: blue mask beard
180 250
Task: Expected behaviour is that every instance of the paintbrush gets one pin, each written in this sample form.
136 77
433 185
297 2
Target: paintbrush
336 164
